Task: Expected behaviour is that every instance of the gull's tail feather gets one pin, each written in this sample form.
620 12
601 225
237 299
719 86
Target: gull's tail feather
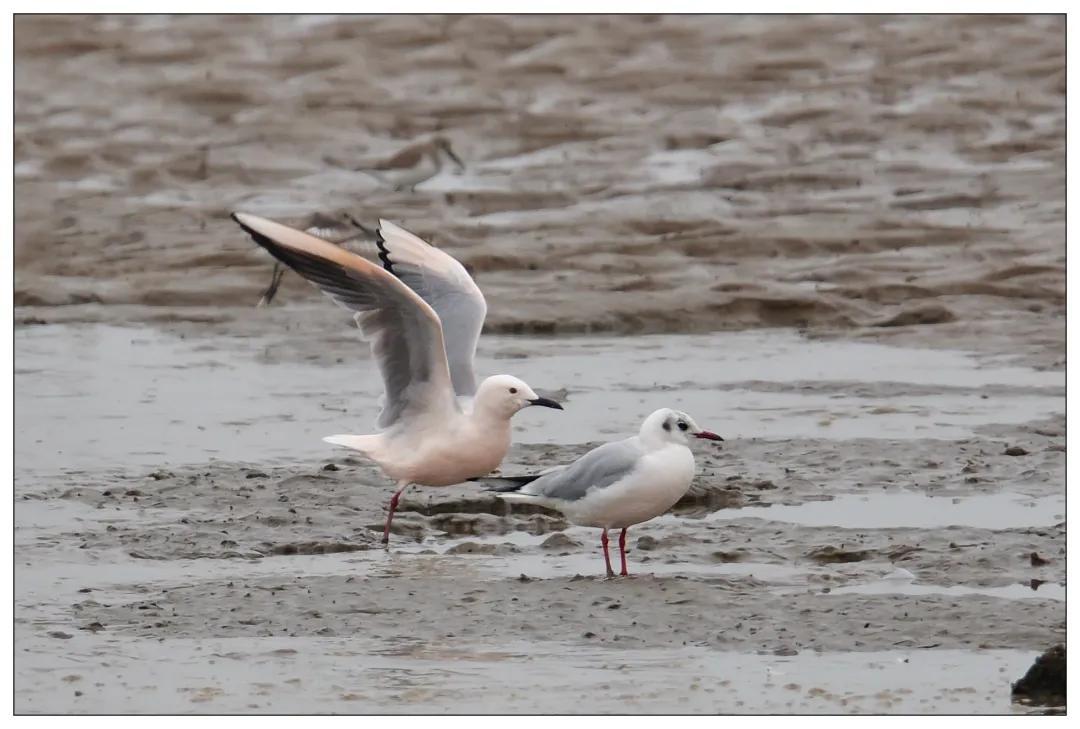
367 444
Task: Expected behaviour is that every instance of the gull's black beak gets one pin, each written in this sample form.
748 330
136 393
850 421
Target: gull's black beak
458 162
706 435
546 403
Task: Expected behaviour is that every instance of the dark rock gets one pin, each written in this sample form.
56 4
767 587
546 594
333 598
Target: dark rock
1037 561
1015 451
1044 683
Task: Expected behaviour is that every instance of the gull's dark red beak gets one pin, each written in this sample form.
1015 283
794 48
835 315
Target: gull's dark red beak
706 435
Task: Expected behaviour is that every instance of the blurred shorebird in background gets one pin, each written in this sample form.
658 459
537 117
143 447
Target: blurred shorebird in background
416 163
329 229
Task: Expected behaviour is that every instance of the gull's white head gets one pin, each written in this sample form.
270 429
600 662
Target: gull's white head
673 426
504 395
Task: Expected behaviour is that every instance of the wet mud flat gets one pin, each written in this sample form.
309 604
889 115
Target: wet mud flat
918 566
886 177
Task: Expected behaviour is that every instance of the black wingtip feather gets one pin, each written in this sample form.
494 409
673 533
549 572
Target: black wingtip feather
384 254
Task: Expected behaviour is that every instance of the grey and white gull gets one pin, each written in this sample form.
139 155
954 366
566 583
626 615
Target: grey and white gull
619 484
423 314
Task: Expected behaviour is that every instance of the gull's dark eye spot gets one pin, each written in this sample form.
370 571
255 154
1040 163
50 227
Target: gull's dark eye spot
683 426
666 425
513 390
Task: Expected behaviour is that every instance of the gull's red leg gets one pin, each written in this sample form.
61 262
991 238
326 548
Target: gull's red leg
607 558
390 514
622 551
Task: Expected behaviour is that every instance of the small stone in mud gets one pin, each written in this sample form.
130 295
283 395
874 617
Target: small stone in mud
256 474
558 540
331 467
1044 683
524 578
785 650
832 555
59 634
161 475
646 543
479 548
312 548
1015 451
85 589
588 634
93 627
929 314
1037 561
736 556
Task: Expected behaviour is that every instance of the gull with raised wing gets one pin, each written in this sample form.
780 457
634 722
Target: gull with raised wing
423 315
616 485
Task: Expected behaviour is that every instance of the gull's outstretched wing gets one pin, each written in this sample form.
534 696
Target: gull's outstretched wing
406 337
443 283
320 226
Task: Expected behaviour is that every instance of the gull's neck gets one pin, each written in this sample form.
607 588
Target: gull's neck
653 442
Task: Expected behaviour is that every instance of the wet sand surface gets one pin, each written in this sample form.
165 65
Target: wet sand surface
838 242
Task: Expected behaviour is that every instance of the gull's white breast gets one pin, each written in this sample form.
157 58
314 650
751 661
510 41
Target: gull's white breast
661 478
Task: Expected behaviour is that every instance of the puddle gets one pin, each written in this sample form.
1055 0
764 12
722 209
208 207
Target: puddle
914 511
108 397
363 675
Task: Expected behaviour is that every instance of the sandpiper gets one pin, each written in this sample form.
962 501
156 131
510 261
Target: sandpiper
416 163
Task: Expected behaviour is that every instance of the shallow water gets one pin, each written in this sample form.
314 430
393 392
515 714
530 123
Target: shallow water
891 511
109 397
